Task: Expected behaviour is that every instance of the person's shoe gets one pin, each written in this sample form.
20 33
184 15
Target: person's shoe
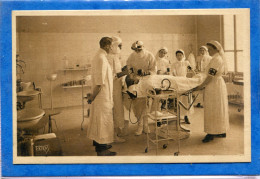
107 146
106 153
186 119
220 135
118 139
139 130
146 130
199 105
208 138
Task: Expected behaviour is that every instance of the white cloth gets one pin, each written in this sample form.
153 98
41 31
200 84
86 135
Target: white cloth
101 128
191 59
118 109
216 118
202 62
181 84
143 60
162 64
179 68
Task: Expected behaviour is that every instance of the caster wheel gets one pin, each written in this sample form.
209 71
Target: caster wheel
165 146
176 153
146 150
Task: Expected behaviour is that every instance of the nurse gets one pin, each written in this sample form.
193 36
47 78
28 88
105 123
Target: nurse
162 63
180 68
203 59
101 126
118 109
216 118
202 62
142 62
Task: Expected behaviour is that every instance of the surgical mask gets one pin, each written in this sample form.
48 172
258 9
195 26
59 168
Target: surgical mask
140 54
115 49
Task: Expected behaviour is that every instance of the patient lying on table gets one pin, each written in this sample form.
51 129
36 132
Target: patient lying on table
140 85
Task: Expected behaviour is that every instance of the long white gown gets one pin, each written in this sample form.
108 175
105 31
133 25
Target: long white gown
101 127
118 109
180 69
216 117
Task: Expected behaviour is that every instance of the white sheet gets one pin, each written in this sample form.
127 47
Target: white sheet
181 84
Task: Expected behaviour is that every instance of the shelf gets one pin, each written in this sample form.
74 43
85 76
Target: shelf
76 69
75 86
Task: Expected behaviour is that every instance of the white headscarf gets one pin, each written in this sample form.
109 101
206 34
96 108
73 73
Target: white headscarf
206 49
221 53
180 50
157 54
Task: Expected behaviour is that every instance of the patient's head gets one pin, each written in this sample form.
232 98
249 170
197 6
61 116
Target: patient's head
131 80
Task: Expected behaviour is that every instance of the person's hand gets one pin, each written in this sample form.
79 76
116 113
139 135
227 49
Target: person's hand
126 70
90 98
158 72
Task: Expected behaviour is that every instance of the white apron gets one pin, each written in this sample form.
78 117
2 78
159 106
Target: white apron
216 117
180 69
101 127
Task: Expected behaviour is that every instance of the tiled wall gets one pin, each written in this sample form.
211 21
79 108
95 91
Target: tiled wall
44 53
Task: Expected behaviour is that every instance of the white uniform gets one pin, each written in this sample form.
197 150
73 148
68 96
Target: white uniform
118 110
101 128
144 60
216 118
202 62
180 69
162 64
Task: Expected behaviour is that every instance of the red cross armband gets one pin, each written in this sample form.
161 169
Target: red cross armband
212 71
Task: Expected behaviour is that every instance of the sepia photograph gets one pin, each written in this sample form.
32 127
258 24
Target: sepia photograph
131 86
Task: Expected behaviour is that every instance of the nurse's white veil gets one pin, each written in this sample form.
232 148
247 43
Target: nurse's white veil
206 49
163 48
180 50
221 53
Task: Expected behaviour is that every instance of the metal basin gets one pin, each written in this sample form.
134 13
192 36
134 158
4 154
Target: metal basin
27 118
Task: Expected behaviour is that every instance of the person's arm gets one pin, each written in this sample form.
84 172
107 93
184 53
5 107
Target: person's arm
204 84
91 97
125 71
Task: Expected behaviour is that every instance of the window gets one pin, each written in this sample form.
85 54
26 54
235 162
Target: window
233 36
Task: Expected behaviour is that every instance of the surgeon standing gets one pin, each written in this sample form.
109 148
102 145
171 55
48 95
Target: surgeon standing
216 117
118 73
101 126
162 63
143 63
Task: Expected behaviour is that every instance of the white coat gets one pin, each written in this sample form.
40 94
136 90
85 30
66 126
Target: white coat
118 109
144 60
216 118
180 69
101 128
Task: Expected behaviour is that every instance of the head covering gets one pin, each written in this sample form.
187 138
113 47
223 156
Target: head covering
115 49
205 48
137 45
116 40
221 53
163 48
180 51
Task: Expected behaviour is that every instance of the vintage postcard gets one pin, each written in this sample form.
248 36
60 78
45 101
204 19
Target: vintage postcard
131 86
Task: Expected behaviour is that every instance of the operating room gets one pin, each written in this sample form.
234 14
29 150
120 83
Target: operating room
57 101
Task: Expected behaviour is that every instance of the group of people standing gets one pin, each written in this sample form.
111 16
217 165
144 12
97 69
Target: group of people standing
107 109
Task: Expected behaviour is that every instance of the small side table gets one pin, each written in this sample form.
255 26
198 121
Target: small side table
50 113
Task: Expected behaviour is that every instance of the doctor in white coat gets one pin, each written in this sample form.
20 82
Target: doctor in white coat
101 126
118 73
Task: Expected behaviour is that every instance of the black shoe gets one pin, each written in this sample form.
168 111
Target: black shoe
220 135
106 153
103 145
208 138
199 105
186 119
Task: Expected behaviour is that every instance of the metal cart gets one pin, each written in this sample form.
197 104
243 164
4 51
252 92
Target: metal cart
163 119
